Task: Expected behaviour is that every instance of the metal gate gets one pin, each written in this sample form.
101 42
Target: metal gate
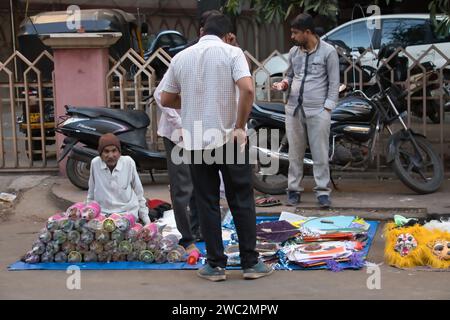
27 123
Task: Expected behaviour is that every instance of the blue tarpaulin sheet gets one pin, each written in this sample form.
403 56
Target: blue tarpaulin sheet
126 265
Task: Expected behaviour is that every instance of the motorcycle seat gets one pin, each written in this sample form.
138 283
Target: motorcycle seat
136 118
271 106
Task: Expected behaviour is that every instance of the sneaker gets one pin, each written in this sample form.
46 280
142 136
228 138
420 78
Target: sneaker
293 198
259 270
324 201
211 273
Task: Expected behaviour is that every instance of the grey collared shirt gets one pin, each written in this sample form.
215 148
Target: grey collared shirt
322 80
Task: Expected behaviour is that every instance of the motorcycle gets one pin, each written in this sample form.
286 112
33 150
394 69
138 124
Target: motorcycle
399 65
356 124
86 125
422 73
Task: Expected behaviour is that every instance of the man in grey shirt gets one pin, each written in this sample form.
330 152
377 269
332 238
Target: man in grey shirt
313 82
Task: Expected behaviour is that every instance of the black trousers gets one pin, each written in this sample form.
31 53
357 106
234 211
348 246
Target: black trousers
182 195
237 178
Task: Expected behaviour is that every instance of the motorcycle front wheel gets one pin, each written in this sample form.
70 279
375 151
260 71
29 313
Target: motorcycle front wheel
78 173
421 170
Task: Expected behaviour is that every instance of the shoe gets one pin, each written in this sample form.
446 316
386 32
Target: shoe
293 198
259 270
212 274
324 201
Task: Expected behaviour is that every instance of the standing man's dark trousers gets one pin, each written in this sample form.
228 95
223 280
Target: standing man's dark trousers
239 192
181 193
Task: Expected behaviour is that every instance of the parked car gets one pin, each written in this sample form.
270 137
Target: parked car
414 32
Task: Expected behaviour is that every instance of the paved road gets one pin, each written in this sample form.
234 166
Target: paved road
20 230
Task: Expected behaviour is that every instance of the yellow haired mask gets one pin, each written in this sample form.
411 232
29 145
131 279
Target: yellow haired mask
405 246
437 254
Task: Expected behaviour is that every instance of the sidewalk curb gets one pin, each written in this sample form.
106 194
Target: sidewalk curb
60 202
368 213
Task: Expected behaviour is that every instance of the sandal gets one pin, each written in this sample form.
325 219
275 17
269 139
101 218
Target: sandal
267 201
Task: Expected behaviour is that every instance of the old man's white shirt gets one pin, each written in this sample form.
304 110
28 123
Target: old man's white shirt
119 191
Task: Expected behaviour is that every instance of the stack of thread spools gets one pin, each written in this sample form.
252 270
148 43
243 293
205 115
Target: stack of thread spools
84 234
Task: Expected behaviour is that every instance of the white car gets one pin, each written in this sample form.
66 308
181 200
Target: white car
414 32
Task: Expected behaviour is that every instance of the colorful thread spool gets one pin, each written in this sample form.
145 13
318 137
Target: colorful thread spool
52 248
47 257
59 236
125 222
102 236
66 224
96 224
109 225
133 256
110 246
125 247
91 211
96 246
67 247
45 236
117 235
38 248
82 248
74 211
32 258
133 233
80 225
161 256
74 236
74 257
87 237
176 255
61 257
146 256
90 257
139 245
169 242
148 232
53 222
104 256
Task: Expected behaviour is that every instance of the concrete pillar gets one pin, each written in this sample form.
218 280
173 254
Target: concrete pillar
81 65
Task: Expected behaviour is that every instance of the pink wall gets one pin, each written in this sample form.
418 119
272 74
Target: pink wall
80 80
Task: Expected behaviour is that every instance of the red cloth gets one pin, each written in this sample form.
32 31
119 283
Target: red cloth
152 204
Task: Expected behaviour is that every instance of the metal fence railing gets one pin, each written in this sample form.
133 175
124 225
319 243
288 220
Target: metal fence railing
131 80
27 124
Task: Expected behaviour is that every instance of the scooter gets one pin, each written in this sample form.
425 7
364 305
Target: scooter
84 126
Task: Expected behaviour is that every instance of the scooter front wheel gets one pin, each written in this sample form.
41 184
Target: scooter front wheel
78 173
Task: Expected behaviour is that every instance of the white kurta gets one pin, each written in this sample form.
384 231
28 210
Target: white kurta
119 191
